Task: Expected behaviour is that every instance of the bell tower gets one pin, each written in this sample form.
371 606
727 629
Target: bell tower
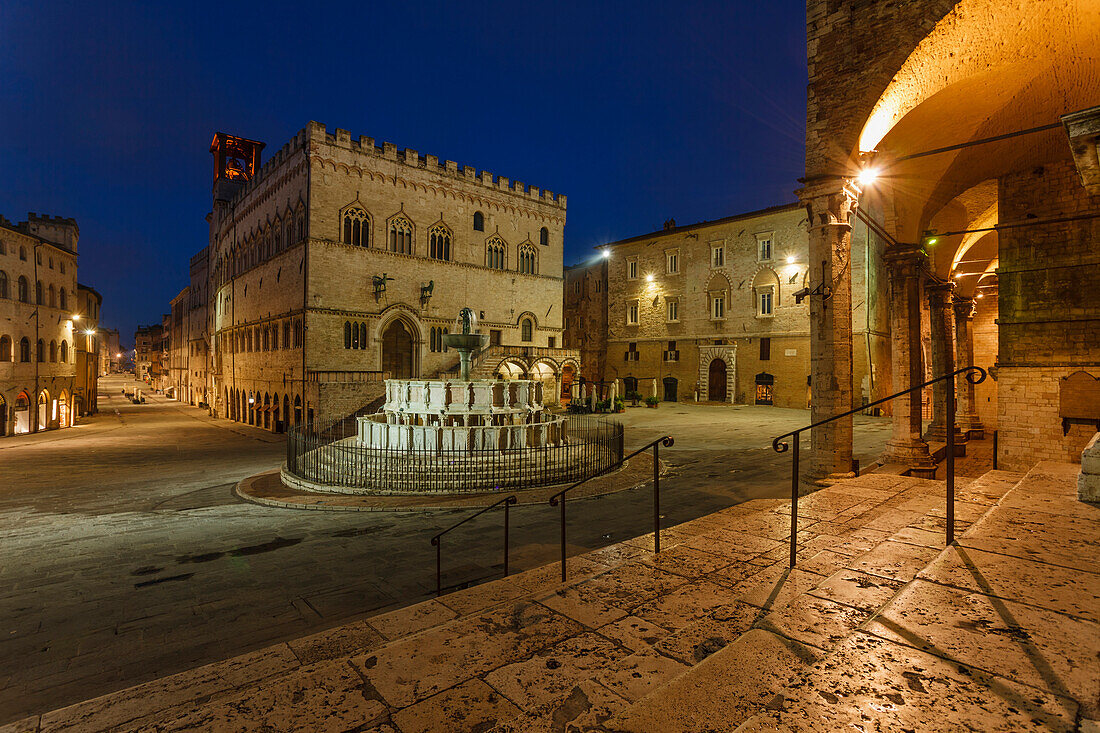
236 161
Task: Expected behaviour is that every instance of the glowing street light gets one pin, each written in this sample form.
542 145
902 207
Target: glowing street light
867 176
790 260
649 278
606 253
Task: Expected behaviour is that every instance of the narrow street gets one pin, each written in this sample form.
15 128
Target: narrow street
124 554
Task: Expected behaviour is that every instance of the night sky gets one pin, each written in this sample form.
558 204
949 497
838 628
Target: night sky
637 111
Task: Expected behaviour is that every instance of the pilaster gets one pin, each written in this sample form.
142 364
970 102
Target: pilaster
830 207
967 413
907 266
941 317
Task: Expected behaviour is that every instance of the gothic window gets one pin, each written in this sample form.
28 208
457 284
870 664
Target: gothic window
362 335
277 240
53 351
5 349
274 335
286 334
65 352
288 233
494 253
479 221
53 297
357 227
61 264
23 256
526 328
301 226
401 236
24 350
64 299
432 339
3 284
439 242
544 236
298 334
527 260
347 334
355 337
41 350
267 344
38 293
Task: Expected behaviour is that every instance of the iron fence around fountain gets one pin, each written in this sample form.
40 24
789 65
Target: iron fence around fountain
330 457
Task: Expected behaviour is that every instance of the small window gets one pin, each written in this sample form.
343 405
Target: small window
765 248
551 341
631 354
632 313
673 310
718 307
526 330
61 264
765 349
544 236
718 256
765 298
672 353
631 269
672 262
599 286
479 221
23 256
577 287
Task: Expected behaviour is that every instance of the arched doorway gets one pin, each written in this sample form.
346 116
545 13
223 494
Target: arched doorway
671 391
567 375
397 351
716 381
43 410
765 384
63 416
22 413
276 414
3 416
266 410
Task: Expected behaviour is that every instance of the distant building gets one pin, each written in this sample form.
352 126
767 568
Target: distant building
586 320
38 261
713 308
111 355
339 262
87 339
148 365
179 385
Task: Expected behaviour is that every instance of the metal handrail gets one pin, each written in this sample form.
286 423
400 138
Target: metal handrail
974 375
507 502
559 498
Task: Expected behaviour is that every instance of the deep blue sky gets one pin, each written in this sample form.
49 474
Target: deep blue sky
637 111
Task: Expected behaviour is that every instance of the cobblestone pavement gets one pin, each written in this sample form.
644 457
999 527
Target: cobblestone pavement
124 555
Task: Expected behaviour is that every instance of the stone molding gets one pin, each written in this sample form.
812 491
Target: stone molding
728 354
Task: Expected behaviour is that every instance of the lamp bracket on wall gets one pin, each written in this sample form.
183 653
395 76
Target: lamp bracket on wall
822 290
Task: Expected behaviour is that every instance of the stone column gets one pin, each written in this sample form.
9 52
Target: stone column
967 413
941 317
906 265
830 208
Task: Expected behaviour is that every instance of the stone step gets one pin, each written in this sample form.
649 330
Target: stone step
527 650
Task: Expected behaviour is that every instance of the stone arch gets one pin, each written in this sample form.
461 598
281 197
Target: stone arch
512 367
64 409
765 277
399 336
22 413
728 355
43 409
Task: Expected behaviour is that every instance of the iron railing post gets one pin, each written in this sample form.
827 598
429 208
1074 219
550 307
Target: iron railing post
951 459
794 499
562 537
656 498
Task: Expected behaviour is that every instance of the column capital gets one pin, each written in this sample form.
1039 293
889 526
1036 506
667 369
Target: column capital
964 307
905 259
940 293
829 202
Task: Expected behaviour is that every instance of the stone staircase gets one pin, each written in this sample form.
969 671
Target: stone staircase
715 633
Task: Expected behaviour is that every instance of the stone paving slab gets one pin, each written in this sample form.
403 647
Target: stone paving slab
635 634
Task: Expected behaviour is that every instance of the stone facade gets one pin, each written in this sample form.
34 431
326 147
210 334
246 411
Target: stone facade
88 342
38 299
711 307
198 386
149 365
586 317
339 262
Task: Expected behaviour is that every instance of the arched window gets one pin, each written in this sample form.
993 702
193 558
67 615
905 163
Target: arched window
63 301
24 350
53 351
401 236
3 284
23 256
356 227
544 236
65 352
479 221
267 344
347 334
439 242
277 240
274 334
355 336
286 334
38 293
301 226
527 259
526 328
298 335
288 233
494 253
22 288
435 339
362 335
53 297
41 350
5 350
